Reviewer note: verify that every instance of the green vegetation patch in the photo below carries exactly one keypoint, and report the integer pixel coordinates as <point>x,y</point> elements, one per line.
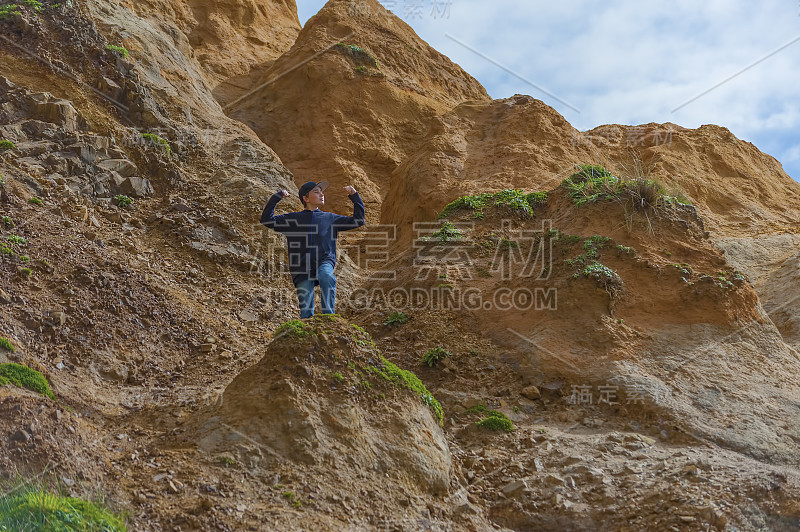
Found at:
<point>604,276</point>
<point>291,497</point>
<point>25,377</point>
<point>122,200</point>
<point>121,50</point>
<point>362,57</point>
<point>6,144</point>
<point>396,318</point>
<point>495,419</point>
<point>496,423</point>
<point>27,507</point>
<point>447,233</point>
<point>515,200</point>
<point>434,355</point>
<point>8,223</point>
<point>406,379</point>
<point>16,239</point>
<point>157,141</point>
<point>593,245</point>
<point>592,183</point>
<point>6,11</point>
<point>5,344</point>
<point>35,201</point>
<point>294,329</point>
<point>6,251</point>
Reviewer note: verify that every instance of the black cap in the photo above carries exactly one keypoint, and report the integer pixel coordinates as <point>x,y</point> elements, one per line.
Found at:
<point>309,186</point>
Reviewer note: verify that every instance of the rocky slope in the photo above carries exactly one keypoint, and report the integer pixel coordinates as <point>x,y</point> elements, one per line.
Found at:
<point>655,391</point>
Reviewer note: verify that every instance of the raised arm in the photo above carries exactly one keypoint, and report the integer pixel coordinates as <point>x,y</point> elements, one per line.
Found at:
<point>268,217</point>
<point>345,223</point>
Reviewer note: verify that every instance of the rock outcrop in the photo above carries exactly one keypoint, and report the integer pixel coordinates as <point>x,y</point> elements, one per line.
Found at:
<point>358,91</point>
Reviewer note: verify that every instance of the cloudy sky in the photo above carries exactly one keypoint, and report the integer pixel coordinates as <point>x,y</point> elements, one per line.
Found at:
<point>734,63</point>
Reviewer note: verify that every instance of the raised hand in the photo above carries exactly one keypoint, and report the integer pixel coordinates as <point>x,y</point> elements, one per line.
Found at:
<point>350,190</point>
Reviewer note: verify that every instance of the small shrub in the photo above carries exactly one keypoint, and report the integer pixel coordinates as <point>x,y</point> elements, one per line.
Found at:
<point>624,249</point>
<point>16,239</point>
<point>447,233</point>
<point>396,318</point>
<point>6,144</point>
<point>35,201</point>
<point>226,459</point>
<point>605,277</point>
<point>434,356</point>
<point>338,376</point>
<point>5,344</point>
<point>157,141</point>
<point>8,223</point>
<point>495,419</point>
<point>121,50</point>
<point>25,377</point>
<point>496,423</point>
<point>26,272</point>
<point>591,183</point>
<point>122,200</point>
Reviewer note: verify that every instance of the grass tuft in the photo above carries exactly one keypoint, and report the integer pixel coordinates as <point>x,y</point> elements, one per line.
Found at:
<point>29,506</point>
<point>25,377</point>
<point>516,201</point>
<point>407,379</point>
<point>294,329</point>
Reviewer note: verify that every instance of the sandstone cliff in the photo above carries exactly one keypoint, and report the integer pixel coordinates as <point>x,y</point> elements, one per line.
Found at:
<point>646,377</point>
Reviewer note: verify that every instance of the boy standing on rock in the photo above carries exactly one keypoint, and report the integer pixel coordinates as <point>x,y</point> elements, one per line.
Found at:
<point>311,237</point>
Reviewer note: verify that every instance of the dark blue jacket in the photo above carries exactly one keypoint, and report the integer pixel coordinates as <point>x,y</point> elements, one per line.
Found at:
<point>311,235</point>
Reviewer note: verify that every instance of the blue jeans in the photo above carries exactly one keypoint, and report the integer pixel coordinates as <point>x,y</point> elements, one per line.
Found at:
<point>327,285</point>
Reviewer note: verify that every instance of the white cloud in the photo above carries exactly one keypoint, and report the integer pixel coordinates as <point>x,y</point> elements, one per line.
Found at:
<point>631,62</point>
